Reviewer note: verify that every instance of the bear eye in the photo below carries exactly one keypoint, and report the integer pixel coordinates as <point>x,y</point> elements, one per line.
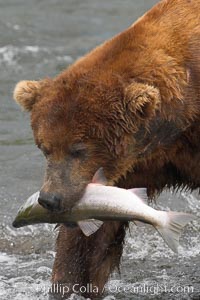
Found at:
<point>45,151</point>
<point>78,151</point>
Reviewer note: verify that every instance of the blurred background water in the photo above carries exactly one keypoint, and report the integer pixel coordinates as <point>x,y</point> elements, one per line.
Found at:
<point>40,38</point>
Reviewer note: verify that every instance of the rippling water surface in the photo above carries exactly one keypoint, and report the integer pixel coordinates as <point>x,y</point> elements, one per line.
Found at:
<point>40,38</point>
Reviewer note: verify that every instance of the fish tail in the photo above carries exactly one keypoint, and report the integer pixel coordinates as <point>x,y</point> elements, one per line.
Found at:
<point>172,230</point>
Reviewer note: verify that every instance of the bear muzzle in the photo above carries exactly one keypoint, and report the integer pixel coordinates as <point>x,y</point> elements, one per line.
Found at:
<point>50,201</point>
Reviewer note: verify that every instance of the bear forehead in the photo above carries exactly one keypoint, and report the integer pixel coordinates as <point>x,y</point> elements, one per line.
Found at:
<point>76,108</point>
<point>51,111</point>
<point>60,123</point>
<point>56,126</point>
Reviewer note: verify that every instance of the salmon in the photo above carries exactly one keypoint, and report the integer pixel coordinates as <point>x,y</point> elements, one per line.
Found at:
<point>105,203</point>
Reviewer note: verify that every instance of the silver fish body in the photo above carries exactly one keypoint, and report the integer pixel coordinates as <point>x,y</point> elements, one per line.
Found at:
<point>129,205</point>
<point>113,203</point>
<point>98,202</point>
<point>101,203</point>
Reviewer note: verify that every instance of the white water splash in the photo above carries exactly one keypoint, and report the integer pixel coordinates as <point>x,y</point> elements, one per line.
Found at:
<point>10,55</point>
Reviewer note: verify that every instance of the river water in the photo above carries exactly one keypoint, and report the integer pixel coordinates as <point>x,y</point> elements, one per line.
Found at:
<point>40,38</point>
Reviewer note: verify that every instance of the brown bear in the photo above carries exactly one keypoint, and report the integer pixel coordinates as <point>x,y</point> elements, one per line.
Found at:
<point>131,106</point>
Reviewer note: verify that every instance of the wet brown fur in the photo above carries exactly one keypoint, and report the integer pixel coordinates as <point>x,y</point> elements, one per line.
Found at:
<point>135,102</point>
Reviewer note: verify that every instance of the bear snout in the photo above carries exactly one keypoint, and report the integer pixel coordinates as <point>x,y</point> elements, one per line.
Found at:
<point>50,201</point>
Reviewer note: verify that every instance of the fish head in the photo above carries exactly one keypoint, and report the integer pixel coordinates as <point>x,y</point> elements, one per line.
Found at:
<point>29,212</point>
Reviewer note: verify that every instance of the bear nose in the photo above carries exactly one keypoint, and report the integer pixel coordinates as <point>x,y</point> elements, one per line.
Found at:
<point>50,201</point>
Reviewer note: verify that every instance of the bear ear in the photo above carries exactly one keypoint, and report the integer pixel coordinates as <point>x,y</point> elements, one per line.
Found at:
<point>27,93</point>
<point>142,100</point>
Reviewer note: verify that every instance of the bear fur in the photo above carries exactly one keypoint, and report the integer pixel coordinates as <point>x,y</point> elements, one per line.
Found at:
<point>131,106</point>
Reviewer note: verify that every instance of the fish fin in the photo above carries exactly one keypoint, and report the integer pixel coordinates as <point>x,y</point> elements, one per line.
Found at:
<point>99,177</point>
<point>171,233</point>
<point>141,193</point>
<point>89,227</point>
